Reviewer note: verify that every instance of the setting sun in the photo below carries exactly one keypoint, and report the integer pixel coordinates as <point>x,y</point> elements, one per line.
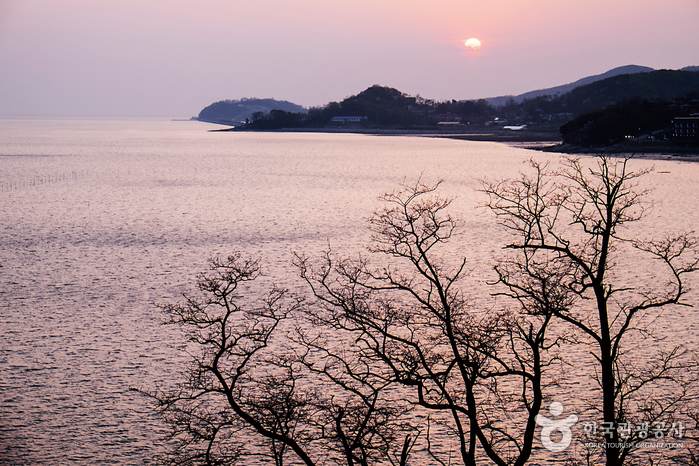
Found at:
<point>473,43</point>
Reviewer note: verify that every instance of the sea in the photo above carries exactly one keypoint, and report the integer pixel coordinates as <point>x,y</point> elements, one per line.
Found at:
<point>104,219</point>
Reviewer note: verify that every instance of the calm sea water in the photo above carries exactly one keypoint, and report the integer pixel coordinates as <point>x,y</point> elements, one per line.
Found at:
<point>103,218</point>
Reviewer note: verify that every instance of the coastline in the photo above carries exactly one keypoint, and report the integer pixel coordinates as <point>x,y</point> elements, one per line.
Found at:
<point>650,150</point>
<point>480,134</point>
<point>548,141</point>
<point>533,140</point>
<point>540,140</point>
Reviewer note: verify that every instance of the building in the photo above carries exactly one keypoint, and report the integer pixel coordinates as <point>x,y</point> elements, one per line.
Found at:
<point>449,124</point>
<point>348,119</point>
<point>686,129</point>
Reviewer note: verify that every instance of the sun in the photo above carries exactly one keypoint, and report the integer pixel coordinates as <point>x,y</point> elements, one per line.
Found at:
<point>473,43</point>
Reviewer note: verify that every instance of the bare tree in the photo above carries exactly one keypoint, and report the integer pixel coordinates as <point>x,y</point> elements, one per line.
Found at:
<point>570,230</point>
<point>259,387</point>
<point>342,379</point>
<point>411,320</point>
<point>390,353</point>
<point>220,404</point>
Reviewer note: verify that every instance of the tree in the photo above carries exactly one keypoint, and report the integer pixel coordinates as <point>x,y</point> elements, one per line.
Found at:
<point>218,403</point>
<point>481,374</point>
<point>389,356</point>
<point>380,344</point>
<point>253,389</point>
<point>569,238</point>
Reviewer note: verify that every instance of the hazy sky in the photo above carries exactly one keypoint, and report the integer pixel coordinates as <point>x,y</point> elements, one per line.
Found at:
<point>174,57</point>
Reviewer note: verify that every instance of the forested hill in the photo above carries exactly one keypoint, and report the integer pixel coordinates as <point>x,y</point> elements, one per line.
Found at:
<point>558,90</point>
<point>235,111</point>
<point>381,106</point>
<point>660,84</point>
<point>385,107</point>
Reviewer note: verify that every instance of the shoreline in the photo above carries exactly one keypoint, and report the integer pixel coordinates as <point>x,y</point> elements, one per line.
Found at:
<point>540,140</point>
<point>649,151</point>
<point>481,134</point>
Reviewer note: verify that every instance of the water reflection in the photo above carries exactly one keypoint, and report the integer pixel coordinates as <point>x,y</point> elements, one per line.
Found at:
<point>103,218</point>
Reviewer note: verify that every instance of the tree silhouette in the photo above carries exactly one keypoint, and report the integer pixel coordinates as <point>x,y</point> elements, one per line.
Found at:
<point>569,235</point>
<point>257,388</point>
<point>388,356</point>
<point>479,372</point>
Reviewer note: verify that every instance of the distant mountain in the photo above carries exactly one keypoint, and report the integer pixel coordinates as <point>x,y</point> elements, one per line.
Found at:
<point>660,84</point>
<point>628,69</point>
<point>233,112</point>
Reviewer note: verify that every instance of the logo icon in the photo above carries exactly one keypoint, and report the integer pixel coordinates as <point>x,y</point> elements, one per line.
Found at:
<point>549,426</point>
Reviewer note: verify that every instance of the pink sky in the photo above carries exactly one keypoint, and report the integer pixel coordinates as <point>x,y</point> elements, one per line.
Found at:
<point>174,57</point>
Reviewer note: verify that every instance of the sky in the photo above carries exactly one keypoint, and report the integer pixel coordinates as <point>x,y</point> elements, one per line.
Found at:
<point>174,57</point>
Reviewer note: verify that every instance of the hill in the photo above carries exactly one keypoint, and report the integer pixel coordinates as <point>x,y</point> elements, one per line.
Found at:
<point>379,107</point>
<point>233,112</point>
<point>557,110</point>
<point>375,107</point>
<point>660,84</point>
<point>558,90</point>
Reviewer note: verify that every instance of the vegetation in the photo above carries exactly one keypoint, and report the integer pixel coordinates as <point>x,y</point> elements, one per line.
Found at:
<point>570,229</point>
<point>411,319</point>
<point>387,359</point>
<point>469,111</point>
<point>276,119</point>
<point>612,104</point>
<point>597,114</point>
<point>560,90</point>
<point>655,85</point>
<point>382,107</point>
<point>235,111</point>
<point>612,124</point>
